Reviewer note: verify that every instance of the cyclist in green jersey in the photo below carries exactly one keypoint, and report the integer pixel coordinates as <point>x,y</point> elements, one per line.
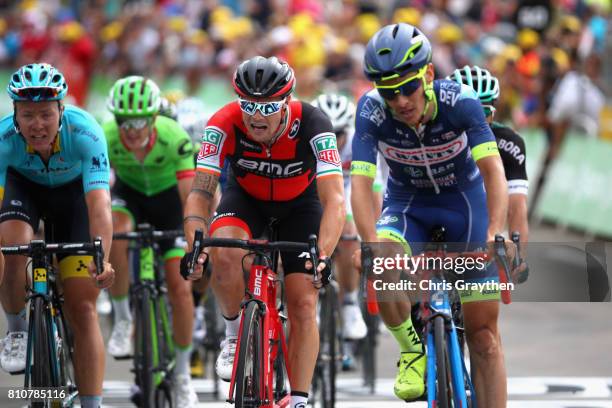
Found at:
<point>152,157</point>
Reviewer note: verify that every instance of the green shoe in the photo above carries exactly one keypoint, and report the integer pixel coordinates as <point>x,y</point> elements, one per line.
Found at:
<point>410,380</point>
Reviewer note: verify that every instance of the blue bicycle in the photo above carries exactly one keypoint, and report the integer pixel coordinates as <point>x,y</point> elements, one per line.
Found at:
<point>448,381</point>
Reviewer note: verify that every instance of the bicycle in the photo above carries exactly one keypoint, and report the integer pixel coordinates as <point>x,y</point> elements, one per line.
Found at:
<point>50,348</point>
<point>330,348</point>
<point>260,373</point>
<point>367,346</point>
<point>448,382</point>
<point>154,355</point>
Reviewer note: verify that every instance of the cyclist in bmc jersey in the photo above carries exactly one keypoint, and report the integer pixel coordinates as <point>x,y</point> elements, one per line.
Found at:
<point>285,166</point>
<point>54,166</point>
<point>152,157</point>
<point>441,154</point>
<point>511,149</point>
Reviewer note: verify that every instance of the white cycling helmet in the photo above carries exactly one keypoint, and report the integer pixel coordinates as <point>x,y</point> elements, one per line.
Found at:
<point>338,108</point>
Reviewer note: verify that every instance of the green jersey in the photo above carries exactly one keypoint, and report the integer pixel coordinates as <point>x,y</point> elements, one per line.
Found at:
<point>169,157</point>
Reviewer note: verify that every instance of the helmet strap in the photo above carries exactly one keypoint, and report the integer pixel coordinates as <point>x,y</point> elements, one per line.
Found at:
<point>429,98</point>
<point>281,126</point>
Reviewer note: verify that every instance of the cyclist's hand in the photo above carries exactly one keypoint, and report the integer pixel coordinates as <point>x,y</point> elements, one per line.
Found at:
<point>520,273</point>
<point>356,259</point>
<point>324,269</point>
<point>199,268</point>
<point>104,279</point>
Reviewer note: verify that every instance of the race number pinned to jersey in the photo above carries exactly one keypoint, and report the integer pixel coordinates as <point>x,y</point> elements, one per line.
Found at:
<point>326,148</point>
<point>211,142</point>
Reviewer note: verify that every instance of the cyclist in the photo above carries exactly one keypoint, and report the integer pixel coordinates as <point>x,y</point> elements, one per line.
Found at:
<point>153,160</point>
<point>284,165</point>
<point>54,166</point>
<point>511,149</point>
<point>341,112</point>
<point>441,153</point>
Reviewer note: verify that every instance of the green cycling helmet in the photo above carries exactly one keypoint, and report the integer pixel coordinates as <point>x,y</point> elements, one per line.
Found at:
<point>134,96</point>
<point>480,80</point>
<point>37,82</point>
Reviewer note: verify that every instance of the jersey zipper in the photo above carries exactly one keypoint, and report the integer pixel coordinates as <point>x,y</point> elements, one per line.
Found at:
<point>270,173</point>
<point>420,135</point>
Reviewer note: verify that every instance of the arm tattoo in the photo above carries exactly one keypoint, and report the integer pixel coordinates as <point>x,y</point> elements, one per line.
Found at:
<point>205,184</point>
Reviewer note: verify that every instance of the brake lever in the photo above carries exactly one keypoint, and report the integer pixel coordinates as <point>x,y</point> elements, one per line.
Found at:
<point>314,255</point>
<point>198,237</point>
<point>98,256</point>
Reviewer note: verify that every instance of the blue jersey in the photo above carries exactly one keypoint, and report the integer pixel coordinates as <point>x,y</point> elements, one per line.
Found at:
<point>439,157</point>
<point>79,151</point>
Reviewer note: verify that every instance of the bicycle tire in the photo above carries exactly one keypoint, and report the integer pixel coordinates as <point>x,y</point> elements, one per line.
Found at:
<point>143,349</point>
<point>369,351</point>
<point>325,375</point>
<point>41,369</point>
<point>442,383</point>
<point>167,356</point>
<point>249,371</point>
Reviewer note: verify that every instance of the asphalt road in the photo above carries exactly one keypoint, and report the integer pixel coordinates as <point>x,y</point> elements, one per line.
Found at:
<point>557,354</point>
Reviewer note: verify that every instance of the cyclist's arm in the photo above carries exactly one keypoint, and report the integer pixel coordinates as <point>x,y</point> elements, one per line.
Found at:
<point>486,155</point>
<point>331,195</point>
<point>100,217</point>
<point>517,215</point>
<point>198,204</point>
<point>363,173</point>
<point>182,151</point>
<point>515,166</point>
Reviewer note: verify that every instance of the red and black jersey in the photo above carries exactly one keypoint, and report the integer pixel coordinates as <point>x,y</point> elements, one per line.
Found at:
<point>305,150</point>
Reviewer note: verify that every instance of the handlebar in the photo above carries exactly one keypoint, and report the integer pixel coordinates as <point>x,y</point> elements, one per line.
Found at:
<point>257,245</point>
<point>38,247</point>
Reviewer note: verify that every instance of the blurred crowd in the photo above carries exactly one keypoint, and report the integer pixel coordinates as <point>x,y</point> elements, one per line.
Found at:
<point>548,54</point>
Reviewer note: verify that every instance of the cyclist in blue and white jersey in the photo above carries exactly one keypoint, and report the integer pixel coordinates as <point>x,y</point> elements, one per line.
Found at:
<point>441,156</point>
<point>54,166</point>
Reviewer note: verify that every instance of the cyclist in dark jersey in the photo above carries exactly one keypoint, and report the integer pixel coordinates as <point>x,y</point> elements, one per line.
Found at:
<point>511,149</point>
<point>284,165</point>
<point>441,154</point>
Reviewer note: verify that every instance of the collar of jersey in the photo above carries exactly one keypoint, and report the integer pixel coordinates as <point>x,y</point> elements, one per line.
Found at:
<point>56,146</point>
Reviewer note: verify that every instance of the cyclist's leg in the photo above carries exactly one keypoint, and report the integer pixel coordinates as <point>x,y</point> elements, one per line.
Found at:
<point>120,341</point>
<point>481,312</point>
<point>68,221</point>
<point>301,297</point>
<point>19,218</point>
<point>400,233</point>
<point>354,327</point>
<point>236,217</point>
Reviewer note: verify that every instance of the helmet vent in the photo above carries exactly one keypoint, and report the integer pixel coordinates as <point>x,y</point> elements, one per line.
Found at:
<point>56,78</point>
<point>395,30</point>
<point>28,75</point>
<point>43,75</point>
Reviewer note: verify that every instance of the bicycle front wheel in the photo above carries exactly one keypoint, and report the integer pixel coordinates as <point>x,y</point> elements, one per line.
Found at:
<point>40,371</point>
<point>144,346</point>
<point>249,371</point>
<point>324,382</point>
<point>443,390</point>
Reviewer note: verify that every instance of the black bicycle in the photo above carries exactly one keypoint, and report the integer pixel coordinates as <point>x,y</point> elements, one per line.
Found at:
<point>154,355</point>
<point>50,346</point>
<point>330,348</point>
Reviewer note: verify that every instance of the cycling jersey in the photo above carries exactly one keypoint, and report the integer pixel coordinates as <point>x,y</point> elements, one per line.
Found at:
<point>305,150</point>
<point>78,151</point>
<point>512,151</point>
<point>169,157</point>
<point>440,157</point>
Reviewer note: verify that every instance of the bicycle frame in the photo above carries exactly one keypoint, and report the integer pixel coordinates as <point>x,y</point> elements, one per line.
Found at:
<point>439,305</point>
<point>262,289</point>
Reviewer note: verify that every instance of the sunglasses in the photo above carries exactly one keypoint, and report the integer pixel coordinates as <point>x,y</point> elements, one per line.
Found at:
<point>35,94</point>
<point>489,110</point>
<point>134,123</point>
<point>265,108</point>
<point>407,87</point>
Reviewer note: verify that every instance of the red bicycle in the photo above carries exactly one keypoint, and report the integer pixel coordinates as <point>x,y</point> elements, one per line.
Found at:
<point>261,373</point>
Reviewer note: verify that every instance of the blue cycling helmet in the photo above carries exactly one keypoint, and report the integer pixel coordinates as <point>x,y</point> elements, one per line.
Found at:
<point>395,50</point>
<point>37,82</point>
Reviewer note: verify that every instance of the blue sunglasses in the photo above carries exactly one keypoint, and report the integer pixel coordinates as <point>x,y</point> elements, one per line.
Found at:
<point>265,108</point>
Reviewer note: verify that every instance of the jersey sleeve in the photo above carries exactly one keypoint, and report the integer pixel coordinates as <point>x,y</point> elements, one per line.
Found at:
<point>182,150</point>
<point>5,155</point>
<point>472,119</point>
<point>215,144</point>
<point>364,142</point>
<point>323,143</point>
<point>91,147</point>
<point>513,153</point>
